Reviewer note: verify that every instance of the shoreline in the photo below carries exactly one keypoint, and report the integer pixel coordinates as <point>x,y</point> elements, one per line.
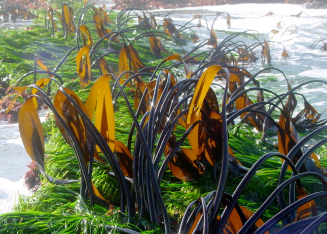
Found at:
<point>171,6</point>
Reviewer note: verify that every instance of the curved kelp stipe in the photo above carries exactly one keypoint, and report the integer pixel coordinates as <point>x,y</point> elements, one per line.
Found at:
<point>313,225</point>
<point>51,74</point>
<point>270,223</point>
<point>324,47</point>
<point>302,160</point>
<point>292,90</point>
<point>105,149</point>
<point>79,151</point>
<point>153,178</point>
<point>226,213</point>
<point>298,226</point>
<point>225,156</point>
<point>174,150</point>
<point>273,196</point>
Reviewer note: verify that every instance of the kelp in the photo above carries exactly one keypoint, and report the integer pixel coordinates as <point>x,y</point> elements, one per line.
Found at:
<point>179,126</point>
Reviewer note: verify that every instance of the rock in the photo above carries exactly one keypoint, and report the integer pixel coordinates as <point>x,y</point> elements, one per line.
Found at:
<point>315,5</point>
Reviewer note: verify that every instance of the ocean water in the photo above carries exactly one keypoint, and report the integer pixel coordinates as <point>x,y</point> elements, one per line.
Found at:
<point>303,64</point>
<point>13,166</point>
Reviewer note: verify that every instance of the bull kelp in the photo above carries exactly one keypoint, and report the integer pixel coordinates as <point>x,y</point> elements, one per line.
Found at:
<point>147,136</point>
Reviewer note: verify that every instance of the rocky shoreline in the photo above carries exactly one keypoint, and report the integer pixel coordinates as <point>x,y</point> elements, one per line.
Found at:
<point>171,4</point>
<point>316,5</point>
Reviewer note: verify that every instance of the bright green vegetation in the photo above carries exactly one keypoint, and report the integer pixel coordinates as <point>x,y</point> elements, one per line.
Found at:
<point>203,175</point>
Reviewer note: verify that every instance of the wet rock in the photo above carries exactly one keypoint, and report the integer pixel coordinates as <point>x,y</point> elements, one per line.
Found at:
<point>316,5</point>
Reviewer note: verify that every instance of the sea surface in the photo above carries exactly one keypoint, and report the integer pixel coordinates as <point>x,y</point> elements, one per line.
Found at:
<point>303,64</point>
<point>13,166</point>
<point>296,36</point>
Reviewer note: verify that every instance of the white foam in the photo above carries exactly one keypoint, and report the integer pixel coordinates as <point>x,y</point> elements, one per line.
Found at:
<point>9,192</point>
<point>315,73</point>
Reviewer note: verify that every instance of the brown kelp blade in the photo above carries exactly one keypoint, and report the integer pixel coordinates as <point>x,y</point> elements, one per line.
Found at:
<point>279,24</point>
<point>32,133</point>
<point>135,59</point>
<point>306,210</point>
<point>247,213</point>
<point>213,39</point>
<point>71,118</point>
<point>211,100</point>
<point>213,134</point>
<point>274,31</point>
<point>140,89</point>
<point>83,63</point>
<point>188,71</point>
<point>234,82</point>
<point>239,216</point>
<point>308,117</point>
<point>228,21</point>
<point>184,165</point>
<point>196,136</point>
<point>85,32</point>
<point>42,65</point>
<point>287,136</point>
<point>297,15</point>
<point>212,126</point>
<point>201,90</point>
<point>266,52</point>
<point>104,16</point>
<point>100,105</point>
<point>19,90</point>
<point>199,25</point>
<point>144,22</point>
<point>68,18</point>
<point>170,28</point>
<point>99,25</point>
<point>153,22</point>
<point>97,193</point>
<point>129,60</point>
<point>50,15</point>
<point>254,119</point>
<point>125,159</point>
<point>124,63</point>
<point>69,114</point>
<point>195,38</point>
<point>41,83</point>
<point>195,222</point>
<point>285,55</point>
<point>156,46</point>
<point>105,68</point>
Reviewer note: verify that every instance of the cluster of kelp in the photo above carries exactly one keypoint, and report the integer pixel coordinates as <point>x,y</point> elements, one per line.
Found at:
<point>183,110</point>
